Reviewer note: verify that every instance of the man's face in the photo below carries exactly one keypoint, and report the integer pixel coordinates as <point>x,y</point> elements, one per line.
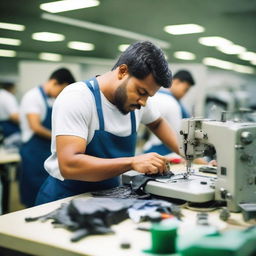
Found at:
<point>133,93</point>
<point>57,88</point>
<point>180,88</point>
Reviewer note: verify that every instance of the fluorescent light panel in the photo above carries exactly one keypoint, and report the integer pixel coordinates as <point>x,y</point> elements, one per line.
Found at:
<point>123,47</point>
<point>81,46</point>
<point>253,62</point>
<point>214,41</point>
<point>7,53</point>
<point>184,29</point>
<point>9,41</point>
<point>250,56</point>
<point>50,56</point>
<point>11,26</point>
<point>48,37</point>
<point>243,69</point>
<point>105,29</point>
<point>231,49</point>
<point>68,5</point>
<point>228,65</point>
<point>183,55</point>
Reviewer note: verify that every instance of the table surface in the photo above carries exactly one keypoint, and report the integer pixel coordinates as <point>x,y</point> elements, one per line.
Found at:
<point>39,238</point>
<point>8,156</point>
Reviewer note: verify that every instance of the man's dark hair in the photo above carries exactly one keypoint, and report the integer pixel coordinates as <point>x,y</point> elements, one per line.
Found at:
<point>7,85</point>
<point>62,75</point>
<point>184,76</point>
<point>144,58</point>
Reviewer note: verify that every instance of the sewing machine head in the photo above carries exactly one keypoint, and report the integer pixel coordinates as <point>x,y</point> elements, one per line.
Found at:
<point>235,145</point>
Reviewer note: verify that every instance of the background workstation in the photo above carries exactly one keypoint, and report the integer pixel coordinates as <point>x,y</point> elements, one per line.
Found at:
<point>222,77</point>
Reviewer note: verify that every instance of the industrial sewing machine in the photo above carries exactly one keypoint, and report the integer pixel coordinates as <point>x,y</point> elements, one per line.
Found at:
<point>234,144</point>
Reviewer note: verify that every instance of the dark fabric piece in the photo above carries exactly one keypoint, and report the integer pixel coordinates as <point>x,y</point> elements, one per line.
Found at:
<point>96,215</point>
<point>122,192</point>
<point>139,182</point>
<point>166,175</point>
<point>88,216</point>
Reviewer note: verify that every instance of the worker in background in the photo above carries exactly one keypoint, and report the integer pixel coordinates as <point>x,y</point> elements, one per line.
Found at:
<point>170,107</point>
<point>9,110</point>
<point>95,124</point>
<point>35,114</point>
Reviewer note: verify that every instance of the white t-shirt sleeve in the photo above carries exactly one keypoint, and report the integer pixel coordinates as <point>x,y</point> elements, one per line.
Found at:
<point>72,115</point>
<point>171,111</point>
<point>8,105</point>
<point>31,103</point>
<point>150,113</point>
<point>12,105</point>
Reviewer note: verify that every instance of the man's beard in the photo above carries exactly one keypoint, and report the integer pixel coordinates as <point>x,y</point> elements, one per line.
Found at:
<point>120,97</point>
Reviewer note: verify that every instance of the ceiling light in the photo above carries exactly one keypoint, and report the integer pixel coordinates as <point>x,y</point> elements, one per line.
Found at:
<point>105,29</point>
<point>7,53</point>
<point>214,41</point>
<point>123,47</point>
<point>231,49</point>
<point>253,62</point>
<point>9,41</point>
<point>48,37</point>
<point>217,63</point>
<point>243,69</point>
<point>81,46</point>
<point>228,65</point>
<point>68,5</point>
<point>183,55</point>
<point>11,26</point>
<point>50,56</point>
<point>251,56</point>
<point>184,29</point>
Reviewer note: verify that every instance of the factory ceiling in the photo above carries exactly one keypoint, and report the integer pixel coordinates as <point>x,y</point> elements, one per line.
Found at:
<point>112,23</point>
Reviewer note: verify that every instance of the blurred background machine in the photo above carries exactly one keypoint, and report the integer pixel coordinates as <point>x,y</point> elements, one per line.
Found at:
<point>235,101</point>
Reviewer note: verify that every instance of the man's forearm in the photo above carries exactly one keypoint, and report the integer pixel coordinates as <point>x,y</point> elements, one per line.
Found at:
<point>90,168</point>
<point>42,132</point>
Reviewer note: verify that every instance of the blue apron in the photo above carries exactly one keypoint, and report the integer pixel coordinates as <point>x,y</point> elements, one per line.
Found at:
<point>9,128</point>
<point>33,154</point>
<point>102,145</point>
<point>161,148</point>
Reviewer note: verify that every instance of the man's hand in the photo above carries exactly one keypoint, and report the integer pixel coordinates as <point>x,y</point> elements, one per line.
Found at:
<point>151,163</point>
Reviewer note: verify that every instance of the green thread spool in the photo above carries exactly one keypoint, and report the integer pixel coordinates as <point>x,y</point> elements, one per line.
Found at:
<point>163,236</point>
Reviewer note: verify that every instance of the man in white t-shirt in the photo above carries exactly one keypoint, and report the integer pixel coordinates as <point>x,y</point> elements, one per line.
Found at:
<point>95,124</point>
<point>9,110</point>
<point>35,118</point>
<point>170,107</point>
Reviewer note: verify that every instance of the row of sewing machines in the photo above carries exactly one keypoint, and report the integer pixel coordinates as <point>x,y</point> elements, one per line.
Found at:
<point>234,146</point>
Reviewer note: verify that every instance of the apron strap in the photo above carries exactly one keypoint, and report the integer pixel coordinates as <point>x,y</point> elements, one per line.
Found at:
<point>133,122</point>
<point>44,96</point>
<point>96,93</point>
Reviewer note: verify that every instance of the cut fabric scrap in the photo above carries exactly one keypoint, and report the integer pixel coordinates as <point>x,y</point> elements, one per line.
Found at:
<point>96,215</point>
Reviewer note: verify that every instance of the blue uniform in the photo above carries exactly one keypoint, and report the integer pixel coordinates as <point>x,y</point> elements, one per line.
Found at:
<point>33,153</point>
<point>9,128</point>
<point>103,145</point>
